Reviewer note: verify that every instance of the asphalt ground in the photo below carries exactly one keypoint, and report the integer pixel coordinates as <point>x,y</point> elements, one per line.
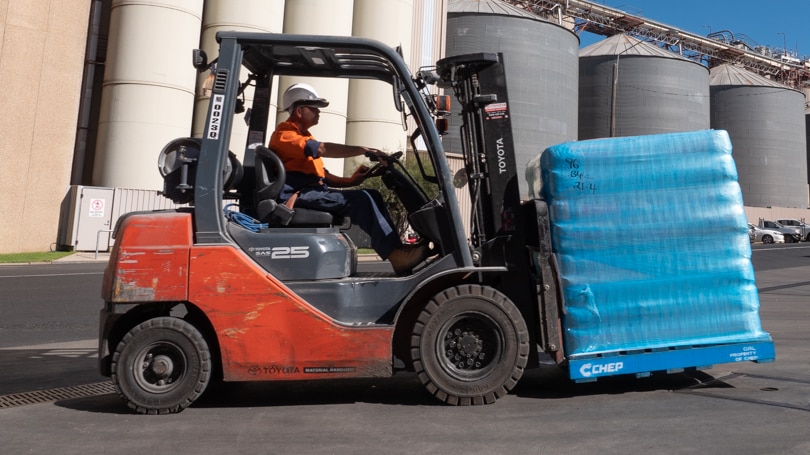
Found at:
<point>741,408</point>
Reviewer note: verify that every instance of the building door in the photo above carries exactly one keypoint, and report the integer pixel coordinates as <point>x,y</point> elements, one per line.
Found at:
<point>94,216</point>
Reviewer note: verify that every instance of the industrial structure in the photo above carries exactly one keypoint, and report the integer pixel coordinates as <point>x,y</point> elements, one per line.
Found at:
<point>541,61</point>
<point>769,132</point>
<point>714,49</point>
<point>766,121</point>
<point>99,89</point>
<point>628,87</point>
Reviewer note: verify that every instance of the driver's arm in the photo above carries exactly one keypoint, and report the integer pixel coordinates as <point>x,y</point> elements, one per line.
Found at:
<point>343,182</point>
<point>333,150</point>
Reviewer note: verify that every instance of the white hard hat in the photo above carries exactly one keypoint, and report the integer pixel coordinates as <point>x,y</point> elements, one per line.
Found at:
<point>302,93</point>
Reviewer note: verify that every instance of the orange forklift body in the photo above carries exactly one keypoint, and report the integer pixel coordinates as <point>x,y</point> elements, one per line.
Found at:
<point>265,332</point>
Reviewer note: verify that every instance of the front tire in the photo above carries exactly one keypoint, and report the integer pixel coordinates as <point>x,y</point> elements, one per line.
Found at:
<point>767,239</point>
<point>470,345</point>
<point>161,366</point>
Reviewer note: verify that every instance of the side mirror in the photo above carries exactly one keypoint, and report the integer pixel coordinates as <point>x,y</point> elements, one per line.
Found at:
<point>460,178</point>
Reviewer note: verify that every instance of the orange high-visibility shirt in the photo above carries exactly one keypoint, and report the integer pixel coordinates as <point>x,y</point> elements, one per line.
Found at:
<point>297,149</point>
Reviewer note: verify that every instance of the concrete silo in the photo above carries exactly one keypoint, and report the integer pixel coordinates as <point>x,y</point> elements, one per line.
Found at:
<point>372,119</point>
<point>541,72</point>
<point>259,16</point>
<point>628,87</point>
<point>148,93</point>
<point>317,17</point>
<point>766,122</point>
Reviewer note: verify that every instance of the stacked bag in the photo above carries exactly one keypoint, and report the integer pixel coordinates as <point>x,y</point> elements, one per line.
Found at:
<point>652,244</point>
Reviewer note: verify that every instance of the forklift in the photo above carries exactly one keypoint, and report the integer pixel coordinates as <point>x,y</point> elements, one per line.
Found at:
<point>239,287</point>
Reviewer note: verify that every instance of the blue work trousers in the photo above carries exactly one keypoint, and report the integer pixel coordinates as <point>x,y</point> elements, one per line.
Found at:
<point>366,209</point>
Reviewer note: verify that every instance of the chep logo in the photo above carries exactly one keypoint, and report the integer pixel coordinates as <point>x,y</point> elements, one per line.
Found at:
<point>587,370</point>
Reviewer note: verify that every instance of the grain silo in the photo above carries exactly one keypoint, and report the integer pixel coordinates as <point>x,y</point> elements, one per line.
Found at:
<point>628,87</point>
<point>766,123</point>
<point>143,71</point>
<point>806,91</point>
<point>541,61</point>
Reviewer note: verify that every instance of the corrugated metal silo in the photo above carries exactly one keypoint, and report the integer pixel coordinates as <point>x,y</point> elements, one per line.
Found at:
<point>656,91</point>
<point>806,91</point>
<point>766,122</point>
<point>541,72</point>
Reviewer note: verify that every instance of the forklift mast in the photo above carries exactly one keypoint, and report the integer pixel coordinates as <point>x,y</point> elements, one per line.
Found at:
<point>479,83</point>
<point>504,231</point>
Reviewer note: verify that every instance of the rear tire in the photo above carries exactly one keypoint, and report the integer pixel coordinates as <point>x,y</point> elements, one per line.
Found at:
<point>470,345</point>
<point>161,366</point>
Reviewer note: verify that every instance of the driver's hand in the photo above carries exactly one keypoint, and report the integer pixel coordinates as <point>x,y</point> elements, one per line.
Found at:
<point>376,155</point>
<point>360,174</point>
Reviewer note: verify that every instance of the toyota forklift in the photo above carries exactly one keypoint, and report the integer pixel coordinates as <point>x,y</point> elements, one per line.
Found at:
<point>240,287</point>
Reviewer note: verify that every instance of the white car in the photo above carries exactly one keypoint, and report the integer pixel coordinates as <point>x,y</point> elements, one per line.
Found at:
<point>764,235</point>
<point>796,224</point>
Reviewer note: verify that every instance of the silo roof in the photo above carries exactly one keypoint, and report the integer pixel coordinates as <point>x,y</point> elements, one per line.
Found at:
<point>489,7</point>
<point>728,74</point>
<point>626,45</point>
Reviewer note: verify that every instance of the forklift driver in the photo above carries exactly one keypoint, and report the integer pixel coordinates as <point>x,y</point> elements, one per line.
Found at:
<point>309,185</point>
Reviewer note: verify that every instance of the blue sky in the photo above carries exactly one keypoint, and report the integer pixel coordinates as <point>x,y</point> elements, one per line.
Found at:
<point>762,22</point>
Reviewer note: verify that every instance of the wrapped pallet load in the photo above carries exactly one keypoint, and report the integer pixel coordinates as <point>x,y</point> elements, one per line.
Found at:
<point>651,242</point>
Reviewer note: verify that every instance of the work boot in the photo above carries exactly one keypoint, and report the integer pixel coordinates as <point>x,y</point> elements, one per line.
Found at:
<point>403,259</point>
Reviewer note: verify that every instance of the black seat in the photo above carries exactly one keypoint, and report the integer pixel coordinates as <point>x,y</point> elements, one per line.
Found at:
<point>270,177</point>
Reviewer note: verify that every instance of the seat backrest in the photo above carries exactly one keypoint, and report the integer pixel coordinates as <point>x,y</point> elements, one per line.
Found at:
<point>270,178</point>
<point>270,174</point>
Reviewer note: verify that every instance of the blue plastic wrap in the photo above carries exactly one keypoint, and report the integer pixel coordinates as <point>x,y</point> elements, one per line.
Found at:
<point>652,243</point>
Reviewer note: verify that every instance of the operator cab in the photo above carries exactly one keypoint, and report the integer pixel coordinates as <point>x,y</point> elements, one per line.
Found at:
<point>266,229</point>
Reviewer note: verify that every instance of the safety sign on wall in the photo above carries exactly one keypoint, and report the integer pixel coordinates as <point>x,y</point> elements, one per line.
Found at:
<point>96,208</point>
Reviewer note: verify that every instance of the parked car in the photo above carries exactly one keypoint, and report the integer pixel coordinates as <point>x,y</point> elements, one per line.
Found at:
<point>757,234</point>
<point>794,223</point>
<point>791,234</point>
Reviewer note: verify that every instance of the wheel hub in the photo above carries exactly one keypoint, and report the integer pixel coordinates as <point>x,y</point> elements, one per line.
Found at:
<point>161,366</point>
<point>464,349</point>
<point>158,370</point>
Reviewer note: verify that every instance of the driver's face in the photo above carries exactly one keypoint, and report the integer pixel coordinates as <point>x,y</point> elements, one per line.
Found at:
<point>309,115</point>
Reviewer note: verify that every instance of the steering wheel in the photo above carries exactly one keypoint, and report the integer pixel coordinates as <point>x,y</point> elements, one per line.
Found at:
<point>378,169</point>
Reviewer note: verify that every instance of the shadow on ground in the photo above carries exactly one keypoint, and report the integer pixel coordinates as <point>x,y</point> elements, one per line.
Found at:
<point>69,377</point>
